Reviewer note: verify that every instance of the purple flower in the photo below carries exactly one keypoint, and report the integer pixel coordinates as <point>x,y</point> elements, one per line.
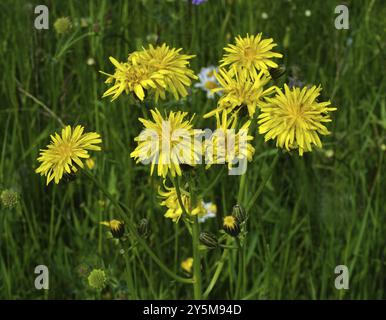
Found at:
<point>198,2</point>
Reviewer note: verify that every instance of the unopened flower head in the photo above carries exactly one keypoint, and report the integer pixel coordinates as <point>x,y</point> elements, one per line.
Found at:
<point>97,279</point>
<point>65,152</point>
<point>168,142</point>
<point>9,198</point>
<point>240,91</point>
<point>294,118</point>
<point>171,64</point>
<point>62,25</point>
<point>251,53</point>
<point>228,145</point>
<point>208,81</point>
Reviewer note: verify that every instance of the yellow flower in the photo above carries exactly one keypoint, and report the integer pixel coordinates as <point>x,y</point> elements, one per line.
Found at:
<point>231,226</point>
<point>295,118</point>
<point>251,54</point>
<point>168,143</point>
<point>90,163</point>
<point>174,210</point>
<point>132,78</point>
<point>116,227</point>
<point>187,265</point>
<point>64,153</point>
<point>226,144</point>
<point>240,92</point>
<point>171,64</point>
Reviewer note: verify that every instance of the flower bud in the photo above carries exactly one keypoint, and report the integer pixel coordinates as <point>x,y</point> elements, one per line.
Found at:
<point>97,279</point>
<point>239,213</point>
<point>143,228</point>
<point>231,226</point>
<point>62,25</point>
<point>208,239</point>
<point>276,73</point>
<point>9,198</point>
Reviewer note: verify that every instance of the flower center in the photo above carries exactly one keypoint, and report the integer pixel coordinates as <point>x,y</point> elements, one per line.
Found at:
<point>210,85</point>
<point>249,54</point>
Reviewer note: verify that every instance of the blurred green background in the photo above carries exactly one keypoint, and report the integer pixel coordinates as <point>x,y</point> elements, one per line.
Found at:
<point>316,212</point>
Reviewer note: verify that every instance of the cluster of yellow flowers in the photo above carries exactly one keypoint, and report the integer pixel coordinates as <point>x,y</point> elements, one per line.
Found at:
<point>293,116</point>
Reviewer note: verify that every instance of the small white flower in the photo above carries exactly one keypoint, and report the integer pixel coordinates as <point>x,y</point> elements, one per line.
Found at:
<point>211,210</point>
<point>264,15</point>
<point>207,81</point>
<point>307,13</point>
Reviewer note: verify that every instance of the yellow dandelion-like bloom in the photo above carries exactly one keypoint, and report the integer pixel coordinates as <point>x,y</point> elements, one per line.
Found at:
<point>116,227</point>
<point>65,152</point>
<point>171,64</point>
<point>132,78</point>
<point>239,91</point>
<point>168,143</point>
<point>228,145</point>
<point>187,265</point>
<point>231,226</point>
<point>295,118</point>
<point>174,210</point>
<point>251,53</point>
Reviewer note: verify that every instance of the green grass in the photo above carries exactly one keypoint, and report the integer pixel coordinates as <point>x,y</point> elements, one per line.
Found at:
<point>316,212</point>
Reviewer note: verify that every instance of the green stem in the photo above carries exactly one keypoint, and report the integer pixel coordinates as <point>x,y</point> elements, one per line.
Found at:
<point>134,232</point>
<point>197,285</point>
<point>262,184</point>
<point>129,274</point>
<point>216,274</point>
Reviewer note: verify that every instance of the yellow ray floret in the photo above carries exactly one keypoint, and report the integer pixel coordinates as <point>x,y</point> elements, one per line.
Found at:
<point>251,53</point>
<point>295,118</point>
<point>240,92</point>
<point>167,143</point>
<point>65,152</point>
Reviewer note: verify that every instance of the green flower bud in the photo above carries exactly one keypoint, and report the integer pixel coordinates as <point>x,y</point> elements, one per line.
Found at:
<point>143,228</point>
<point>239,213</point>
<point>208,239</point>
<point>9,198</point>
<point>97,279</point>
<point>276,73</point>
<point>62,25</point>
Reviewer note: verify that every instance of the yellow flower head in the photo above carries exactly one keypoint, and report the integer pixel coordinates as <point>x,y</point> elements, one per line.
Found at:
<point>251,54</point>
<point>116,227</point>
<point>132,78</point>
<point>174,210</point>
<point>226,144</point>
<point>239,91</point>
<point>295,118</point>
<point>168,143</point>
<point>64,153</point>
<point>187,265</point>
<point>171,64</point>
<point>231,226</point>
